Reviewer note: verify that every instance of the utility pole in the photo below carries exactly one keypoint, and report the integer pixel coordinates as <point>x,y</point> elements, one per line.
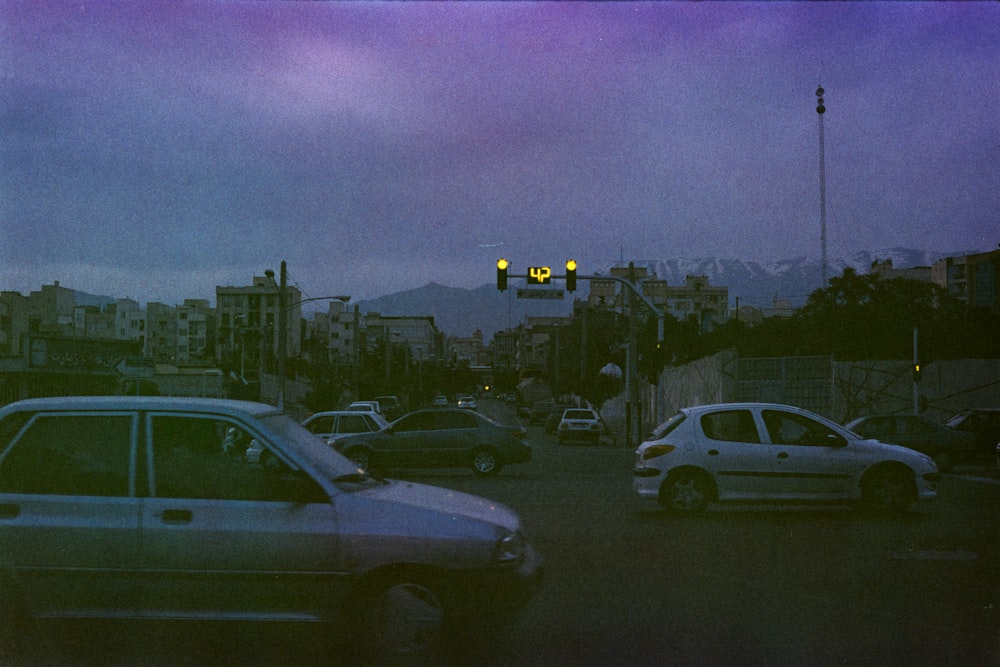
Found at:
<point>916,375</point>
<point>282,337</point>
<point>820,110</point>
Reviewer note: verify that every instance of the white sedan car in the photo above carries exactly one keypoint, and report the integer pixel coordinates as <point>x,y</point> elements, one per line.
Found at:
<point>768,452</point>
<point>579,424</point>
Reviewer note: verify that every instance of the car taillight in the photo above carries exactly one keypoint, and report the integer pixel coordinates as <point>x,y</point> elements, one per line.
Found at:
<point>653,451</point>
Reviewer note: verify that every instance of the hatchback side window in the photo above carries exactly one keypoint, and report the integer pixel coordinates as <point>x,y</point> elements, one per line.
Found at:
<point>71,455</point>
<point>786,428</point>
<point>730,426</point>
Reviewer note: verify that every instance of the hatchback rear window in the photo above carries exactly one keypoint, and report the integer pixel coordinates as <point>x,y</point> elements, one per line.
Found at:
<point>667,426</point>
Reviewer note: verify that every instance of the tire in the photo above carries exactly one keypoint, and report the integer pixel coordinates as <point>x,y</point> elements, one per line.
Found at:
<point>485,462</point>
<point>361,456</point>
<point>686,491</point>
<point>404,622</point>
<point>887,491</point>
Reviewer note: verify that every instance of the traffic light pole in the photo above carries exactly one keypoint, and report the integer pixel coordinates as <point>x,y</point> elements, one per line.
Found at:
<point>634,290</point>
<point>626,283</point>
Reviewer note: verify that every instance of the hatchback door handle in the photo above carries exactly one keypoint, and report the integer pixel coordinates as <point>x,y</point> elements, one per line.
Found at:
<point>9,510</point>
<point>176,516</point>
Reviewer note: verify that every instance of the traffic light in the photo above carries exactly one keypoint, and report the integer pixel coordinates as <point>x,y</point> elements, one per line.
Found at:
<point>917,375</point>
<point>502,274</point>
<point>571,275</point>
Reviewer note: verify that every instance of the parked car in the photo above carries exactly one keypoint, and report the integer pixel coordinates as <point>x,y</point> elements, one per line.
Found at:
<point>984,423</point>
<point>540,411</point>
<point>337,423</point>
<point>133,507</point>
<point>579,424</point>
<point>946,446</point>
<point>439,438</point>
<point>555,416</point>
<point>769,452</point>
<point>392,408</point>
<point>467,402</point>
<point>366,406</point>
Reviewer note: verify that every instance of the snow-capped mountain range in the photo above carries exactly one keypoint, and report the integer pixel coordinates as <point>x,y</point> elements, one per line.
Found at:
<point>461,311</point>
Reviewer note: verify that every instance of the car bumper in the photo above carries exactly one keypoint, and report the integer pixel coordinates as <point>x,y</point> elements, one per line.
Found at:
<point>646,481</point>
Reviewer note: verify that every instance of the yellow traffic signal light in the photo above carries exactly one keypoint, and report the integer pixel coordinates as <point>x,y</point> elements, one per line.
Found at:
<point>502,265</point>
<point>571,275</point>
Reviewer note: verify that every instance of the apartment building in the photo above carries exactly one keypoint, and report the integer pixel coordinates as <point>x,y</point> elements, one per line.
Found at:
<point>695,298</point>
<point>972,278</point>
<point>247,323</point>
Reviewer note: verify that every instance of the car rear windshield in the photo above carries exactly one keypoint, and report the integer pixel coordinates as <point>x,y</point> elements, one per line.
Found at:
<point>667,426</point>
<point>578,414</point>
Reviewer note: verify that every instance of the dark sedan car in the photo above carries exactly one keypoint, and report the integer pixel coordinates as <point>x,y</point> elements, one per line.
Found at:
<point>945,445</point>
<point>439,438</point>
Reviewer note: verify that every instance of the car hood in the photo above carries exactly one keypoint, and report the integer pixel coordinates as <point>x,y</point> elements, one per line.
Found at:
<point>397,521</point>
<point>400,496</point>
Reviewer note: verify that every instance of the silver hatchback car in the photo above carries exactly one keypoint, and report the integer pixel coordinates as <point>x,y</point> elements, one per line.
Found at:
<point>145,507</point>
<point>768,452</point>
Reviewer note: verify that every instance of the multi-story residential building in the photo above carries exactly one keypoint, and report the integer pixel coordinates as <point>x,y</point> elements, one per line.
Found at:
<point>418,333</point>
<point>468,349</point>
<point>342,332</point>
<point>885,270</point>
<point>504,348</point>
<point>195,325</point>
<point>248,323</point>
<point>129,321</point>
<point>13,323</point>
<point>51,309</point>
<point>973,278</point>
<point>696,298</point>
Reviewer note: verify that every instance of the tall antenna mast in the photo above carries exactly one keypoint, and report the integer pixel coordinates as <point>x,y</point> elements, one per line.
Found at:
<point>820,110</point>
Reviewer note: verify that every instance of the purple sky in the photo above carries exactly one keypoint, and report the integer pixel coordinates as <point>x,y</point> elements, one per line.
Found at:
<point>158,149</point>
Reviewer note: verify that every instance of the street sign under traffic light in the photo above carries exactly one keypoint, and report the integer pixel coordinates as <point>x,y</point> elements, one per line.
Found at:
<point>502,274</point>
<point>571,275</point>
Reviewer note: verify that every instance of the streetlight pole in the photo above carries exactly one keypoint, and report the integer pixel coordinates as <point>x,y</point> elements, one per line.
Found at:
<point>282,338</point>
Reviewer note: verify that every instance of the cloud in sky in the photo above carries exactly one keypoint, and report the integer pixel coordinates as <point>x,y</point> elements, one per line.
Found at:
<point>158,149</point>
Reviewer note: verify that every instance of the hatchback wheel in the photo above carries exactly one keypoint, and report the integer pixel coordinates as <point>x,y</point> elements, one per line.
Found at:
<point>888,491</point>
<point>485,462</point>
<point>405,621</point>
<point>686,491</point>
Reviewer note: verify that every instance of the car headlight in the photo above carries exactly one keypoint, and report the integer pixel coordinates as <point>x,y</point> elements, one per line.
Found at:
<point>510,549</point>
